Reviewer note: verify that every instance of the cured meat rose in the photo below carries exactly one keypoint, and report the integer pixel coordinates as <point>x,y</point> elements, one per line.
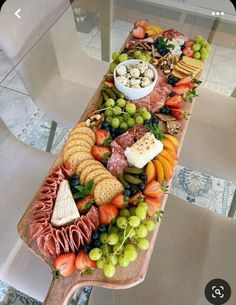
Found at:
<point>156,99</point>
<point>117,162</point>
<point>138,131</point>
<point>126,139</point>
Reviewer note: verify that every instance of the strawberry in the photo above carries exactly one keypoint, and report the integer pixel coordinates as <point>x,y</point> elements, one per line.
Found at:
<point>174,101</point>
<point>120,201</point>
<point>179,114</point>
<point>188,44</point>
<point>110,84</point>
<point>83,263</point>
<point>153,189</point>
<point>188,52</point>
<point>85,203</point>
<point>141,23</point>
<point>153,205</point>
<point>136,198</point>
<point>181,89</point>
<point>103,137</point>
<point>101,153</point>
<point>107,212</point>
<point>138,32</point>
<point>184,81</point>
<point>64,264</point>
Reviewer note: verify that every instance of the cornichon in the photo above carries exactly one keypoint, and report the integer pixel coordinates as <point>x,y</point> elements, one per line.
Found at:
<point>134,170</point>
<point>132,179</point>
<point>118,93</point>
<point>105,96</point>
<point>123,182</point>
<point>100,100</point>
<point>111,94</point>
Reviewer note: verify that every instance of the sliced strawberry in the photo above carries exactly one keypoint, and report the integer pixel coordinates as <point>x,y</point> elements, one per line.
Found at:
<point>83,263</point>
<point>174,101</point>
<point>153,205</point>
<point>64,264</point>
<point>84,204</point>
<point>188,52</point>
<point>136,198</point>
<point>138,32</point>
<point>181,89</point>
<point>141,23</point>
<point>101,153</point>
<point>153,189</point>
<point>179,114</point>
<point>120,201</point>
<point>184,81</point>
<point>107,212</point>
<point>103,137</point>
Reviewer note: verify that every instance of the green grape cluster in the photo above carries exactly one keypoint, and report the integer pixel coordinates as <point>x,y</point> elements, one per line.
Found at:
<point>119,244</point>
<point>124,114</point>
<point>136,54</point>
<point>201,47</point>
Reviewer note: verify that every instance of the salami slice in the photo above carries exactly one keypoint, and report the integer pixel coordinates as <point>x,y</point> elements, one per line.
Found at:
<point>35,230</point>
<point>84,231</point>
<point>50,182</point>
<point>52,244</point>
<point>69,239</point>
<point>47,199</point>
<point>93,215</point>
<point>125,140</point>
<point>117,162</point>
<point>62,240</point>
<point>66,169</point>
<point>76,236</point>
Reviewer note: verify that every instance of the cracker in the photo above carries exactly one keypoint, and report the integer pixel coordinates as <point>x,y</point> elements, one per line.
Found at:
<point>187,67</point>
<point>106,189</point>
<point>78,157</point>
<point>86,130</point>
<point>192,62</point>
<point>178,74</point>
<point>80,124</point>
<point>183,70</point>
<point>73,149</point>
<point>85,164</point>
<point>101,177</point>
<point>88,170</point>
<point>82,136</point>
<point>76,142</point>
<point>96,173</point>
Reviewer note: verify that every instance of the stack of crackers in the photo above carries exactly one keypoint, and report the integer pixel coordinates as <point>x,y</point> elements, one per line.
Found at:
<point>105,186</point>
<point>78,145</point>
<point>77,151</point>
<point>187,66</point>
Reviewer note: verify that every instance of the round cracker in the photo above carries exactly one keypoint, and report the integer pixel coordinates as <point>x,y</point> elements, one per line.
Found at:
<point>76,142</point>
<point>78,157</point>
<point>82,136</point>
<point>96,173</point>
<point>106,189</point>
<point>84,164</point>
<point>100,178</point>
<point>73,149</point>
<point>85,130</point>
<point>88,170</point>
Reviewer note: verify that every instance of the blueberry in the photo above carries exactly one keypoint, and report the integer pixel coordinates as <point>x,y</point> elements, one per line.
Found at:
<point>102,229</point>
<point>155,120</point>
<point>113,135</point>
<point>87,248</point>
<point>163,110</point>
<point>126,192</point>
<point>74,177</point>
<point>176,79</point>
<point>170,76</point>
<point>96,243</point>
<point>95,235</point>
<point>143,177</point>
<point>172,94</point>
<point>133,190</point>
<point>167,110</point>
<point>141,186</point>
<point>74,182</point>
<point>147,121</point>
<point>105,125</point>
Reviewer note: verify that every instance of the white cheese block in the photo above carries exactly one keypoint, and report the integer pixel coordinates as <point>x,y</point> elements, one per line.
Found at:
<point>144,150</point>
<point>65,209</point>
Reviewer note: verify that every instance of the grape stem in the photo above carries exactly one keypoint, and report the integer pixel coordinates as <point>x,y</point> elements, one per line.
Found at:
<point>125,238</point>
<point>99,110</point>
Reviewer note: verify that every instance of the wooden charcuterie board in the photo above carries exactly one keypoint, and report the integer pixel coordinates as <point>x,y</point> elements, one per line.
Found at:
<point>62,288</point>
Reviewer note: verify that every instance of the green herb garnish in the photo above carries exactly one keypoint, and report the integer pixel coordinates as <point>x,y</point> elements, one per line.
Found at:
<point>163,43</point>
<point>83,190</point>
<point>154,129</point>
<point>191,93</point>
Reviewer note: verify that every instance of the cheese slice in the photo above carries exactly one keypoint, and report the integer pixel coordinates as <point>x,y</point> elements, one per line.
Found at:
<point>144,150</point>
<point>65,209</point>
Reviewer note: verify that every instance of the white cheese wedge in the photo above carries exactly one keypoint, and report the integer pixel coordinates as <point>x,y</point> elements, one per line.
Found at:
<point>144,150</point>
<point>65,209</point>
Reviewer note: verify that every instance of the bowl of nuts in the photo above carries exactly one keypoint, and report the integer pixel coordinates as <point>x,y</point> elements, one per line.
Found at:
<point>135,78</point>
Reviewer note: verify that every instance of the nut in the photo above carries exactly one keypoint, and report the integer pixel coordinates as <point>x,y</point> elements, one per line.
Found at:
<point>87,122</point>
<point>96,117</point>
<point>167,71</point>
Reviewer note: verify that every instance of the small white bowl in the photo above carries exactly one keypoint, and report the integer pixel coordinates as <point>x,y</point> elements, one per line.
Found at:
<point>135,93</point>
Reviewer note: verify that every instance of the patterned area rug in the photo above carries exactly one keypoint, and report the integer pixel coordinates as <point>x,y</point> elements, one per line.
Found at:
<point>197,188</point>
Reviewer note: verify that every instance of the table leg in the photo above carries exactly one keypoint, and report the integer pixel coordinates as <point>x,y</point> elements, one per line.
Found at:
<point>51,136</point>
<point>106,28</point>
<point>233,206</point>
